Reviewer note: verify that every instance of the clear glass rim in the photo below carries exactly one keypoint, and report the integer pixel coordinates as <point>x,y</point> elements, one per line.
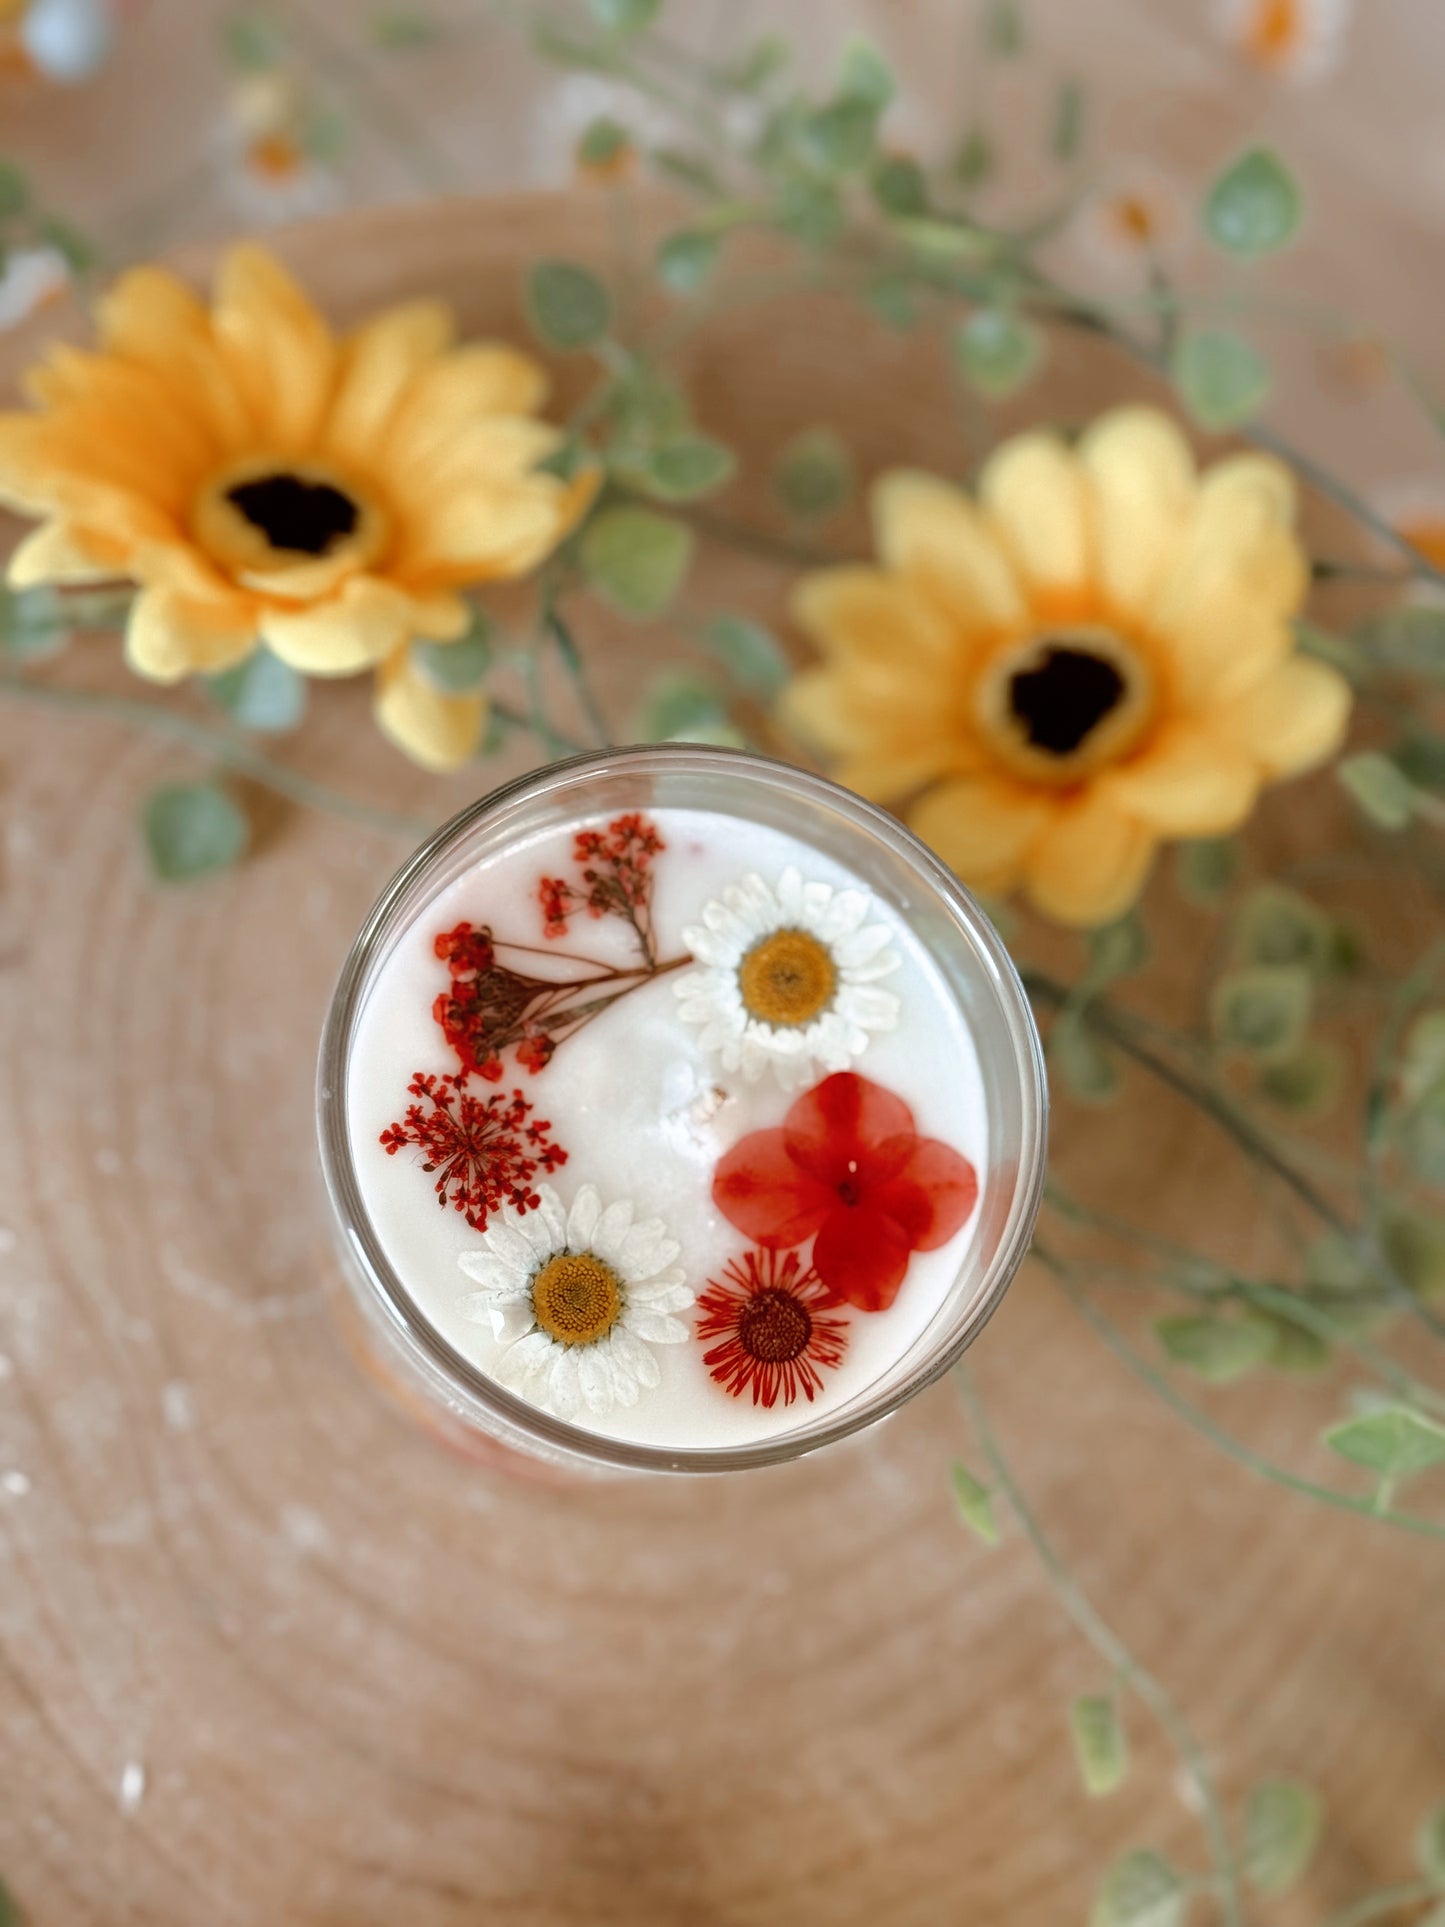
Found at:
<point>555,1436</point>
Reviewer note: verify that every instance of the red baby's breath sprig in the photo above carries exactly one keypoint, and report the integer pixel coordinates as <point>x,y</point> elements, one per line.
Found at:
<point>773,1317</point>
<point>616,879</point>
<point>485,1152</point>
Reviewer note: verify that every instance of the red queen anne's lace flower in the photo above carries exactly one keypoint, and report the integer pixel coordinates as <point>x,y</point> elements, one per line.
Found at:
<point>848,1169</point>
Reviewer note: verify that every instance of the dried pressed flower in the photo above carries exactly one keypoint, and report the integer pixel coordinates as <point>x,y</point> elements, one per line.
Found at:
<point>486,1152</point>
<point>773,1318</point>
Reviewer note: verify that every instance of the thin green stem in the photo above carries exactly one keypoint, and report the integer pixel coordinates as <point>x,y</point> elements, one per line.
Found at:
<point>1200,1422</point>
<point>1115,1653</point>
<point>230,751</point>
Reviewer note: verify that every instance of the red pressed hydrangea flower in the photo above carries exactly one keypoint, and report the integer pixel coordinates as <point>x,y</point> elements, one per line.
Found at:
<point>848,1169</point>
<point>771,1314</point>
<point>486,1152</point>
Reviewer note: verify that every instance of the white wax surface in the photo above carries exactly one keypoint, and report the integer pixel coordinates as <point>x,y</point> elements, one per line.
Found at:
<point>622,1097</point>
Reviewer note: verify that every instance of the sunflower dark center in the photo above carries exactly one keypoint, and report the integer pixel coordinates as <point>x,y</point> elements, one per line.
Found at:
<point>775,1328</point>
<point>307,518</point>
<point>1063,696</point>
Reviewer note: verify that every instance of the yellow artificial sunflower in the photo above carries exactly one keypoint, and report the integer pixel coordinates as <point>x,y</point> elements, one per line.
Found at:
<point>264,481</point>
<point>1096,656</point>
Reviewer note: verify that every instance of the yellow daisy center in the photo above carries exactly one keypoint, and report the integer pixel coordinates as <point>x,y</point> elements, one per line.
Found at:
<point>1274,31</point>
<point>787,979</point>
<point>266,514</point>
<point>576,1298</point>
<point>1062,705</point>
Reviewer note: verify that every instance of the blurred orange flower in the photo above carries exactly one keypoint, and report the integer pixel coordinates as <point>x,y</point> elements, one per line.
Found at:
<point>1096,656</point>
<point>265,481</point>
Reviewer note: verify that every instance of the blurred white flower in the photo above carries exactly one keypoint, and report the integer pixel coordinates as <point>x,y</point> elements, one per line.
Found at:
<point>1298,40</point>
<point>67,40</point>
<point>31,278</point>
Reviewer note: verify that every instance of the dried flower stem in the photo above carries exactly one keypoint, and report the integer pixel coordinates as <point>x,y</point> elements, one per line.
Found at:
<point>1386,1900</point>
<point>1115,1653</point>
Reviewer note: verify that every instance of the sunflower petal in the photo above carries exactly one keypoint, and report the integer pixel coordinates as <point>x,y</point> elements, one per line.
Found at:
<point>154,320</point>
<point>169,636</point>
<point>1292,719</point>
<point>865,616</point>
<point>1189,781</point>
<point>931,533</point>
<point>466,386</point>
<point>1141,471</point>
<point>280,353</point>
<point>1090,864</point>
<point>436,730</point>
<point>983,827</point>
<point>362,626</point>
<point>56,552</point>
<point>379,363</point>
<point>1039,505</point>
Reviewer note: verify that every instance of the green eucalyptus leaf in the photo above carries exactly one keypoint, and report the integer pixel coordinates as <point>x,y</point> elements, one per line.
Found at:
<point>688,170</point>
<point>1207,867</point>
<point>1264,1010</point>
<point>1308,1082</point>
<point>894,299</point>
<point>900,186</point>
<point>863,74</point>
<point>941,240</point>
<point>1289,1345</point>
<point>567,48</point>
<point>1141,1890</point>
<point>1422,1135</point>
<point>1394,1441</point>
<point>1277,925</point>
<point>752,655</point>
<point>682,708</point>
<point>602,142</point>
<point>1254,206</point>
<point>402,29</point>
<point>975,1504</point>
<point>192,830</point>
<point>814,475</point>
<point>1067,134</point>
<point>1422,1056</point>
<point>1083,1061</point>
<point>567,305</point>
<point>1218,1350</point>
<point>1101,1748</point>
<point>1118,949</point>
<point>34,624</point>
<point>253,39</point>
<point>1338,651</point>
<point>9,1912</point>
<point>1430,1845</point>
<point>624,17</point>
<point>1414,1248</point>
<point>635,558</point>
<point>688,468</point>
<point>839,137</point>
<point>457,668</point>
<point>1420,758</point>
<point>1221,379</point>
<point>262,693</point>
<point>998,352</point>
<point>1282,1824</point>
<point>1381,790</point>
<point>758,65</point>
<point>973,163</point>
<point>1410,637</point>
<point>686,259</point>
<point>1003,29</point>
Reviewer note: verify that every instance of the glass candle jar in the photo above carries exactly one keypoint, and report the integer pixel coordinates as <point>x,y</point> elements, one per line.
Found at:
<point>679,1111</point>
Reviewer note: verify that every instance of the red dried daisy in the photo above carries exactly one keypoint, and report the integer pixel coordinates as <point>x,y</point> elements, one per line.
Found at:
<point>771,1314</point>
<point>486,1152</point>
<point>848,1169</point>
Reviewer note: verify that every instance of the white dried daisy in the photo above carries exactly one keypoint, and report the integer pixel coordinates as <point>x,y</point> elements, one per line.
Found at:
<point>577,1299</point>
<point>789,978</point>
